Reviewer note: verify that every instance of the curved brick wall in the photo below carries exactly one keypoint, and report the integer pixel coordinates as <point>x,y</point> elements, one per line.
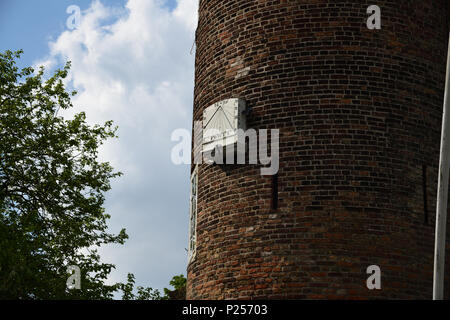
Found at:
<point>359,113</point>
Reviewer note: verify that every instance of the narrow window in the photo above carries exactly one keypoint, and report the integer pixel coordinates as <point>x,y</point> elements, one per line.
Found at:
<point>193,216</point>
<point>275,192</point>
<point>425,196</point>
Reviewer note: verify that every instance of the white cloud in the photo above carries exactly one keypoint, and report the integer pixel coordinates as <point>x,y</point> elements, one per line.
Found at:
<point>134,66</point>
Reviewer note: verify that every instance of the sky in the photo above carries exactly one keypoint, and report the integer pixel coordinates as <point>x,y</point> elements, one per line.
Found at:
<point>131,63</point>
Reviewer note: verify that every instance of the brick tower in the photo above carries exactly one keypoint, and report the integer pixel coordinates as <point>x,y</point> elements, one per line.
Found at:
<point>359,113</point>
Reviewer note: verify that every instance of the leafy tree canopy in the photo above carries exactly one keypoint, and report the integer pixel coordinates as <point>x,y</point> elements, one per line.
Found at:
<point>177,282</point>
<point>51,189</point>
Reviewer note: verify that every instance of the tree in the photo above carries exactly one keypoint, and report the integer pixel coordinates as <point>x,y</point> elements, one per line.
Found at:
<point>177,282</point>
<point>51,190</point>
<point>179,285</point>
<point>142,293</point>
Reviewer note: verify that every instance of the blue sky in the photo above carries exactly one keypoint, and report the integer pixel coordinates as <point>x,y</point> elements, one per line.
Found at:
<point>29,25</point>
<point>131,63</point>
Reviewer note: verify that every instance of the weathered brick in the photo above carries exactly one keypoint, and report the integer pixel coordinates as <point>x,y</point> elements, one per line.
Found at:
<point>359,113</point>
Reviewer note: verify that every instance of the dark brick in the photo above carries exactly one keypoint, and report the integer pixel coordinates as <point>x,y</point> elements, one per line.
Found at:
<point>359,113</point>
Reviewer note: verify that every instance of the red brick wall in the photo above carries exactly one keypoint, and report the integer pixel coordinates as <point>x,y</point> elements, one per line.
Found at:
<point>359,113</point>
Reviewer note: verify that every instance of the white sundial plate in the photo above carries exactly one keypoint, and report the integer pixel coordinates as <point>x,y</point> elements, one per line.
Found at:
<point>221,122</point>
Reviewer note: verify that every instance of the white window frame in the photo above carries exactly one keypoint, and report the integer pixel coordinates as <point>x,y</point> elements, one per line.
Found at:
<point>193,210</point>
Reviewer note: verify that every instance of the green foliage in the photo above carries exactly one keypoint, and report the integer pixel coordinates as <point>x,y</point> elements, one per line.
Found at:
<point>51,190</point>
<point>179,285</point>
<point>177,282</point>
<point>142,293</point>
